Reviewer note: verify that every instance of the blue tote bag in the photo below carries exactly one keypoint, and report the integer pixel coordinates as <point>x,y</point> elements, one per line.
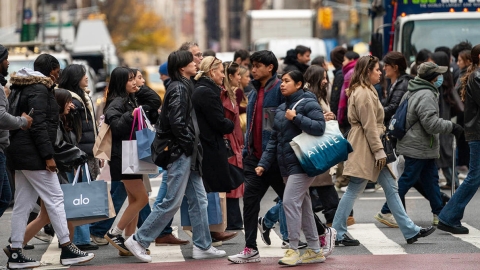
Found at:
<point>317,154</point>
<point>145,136</point>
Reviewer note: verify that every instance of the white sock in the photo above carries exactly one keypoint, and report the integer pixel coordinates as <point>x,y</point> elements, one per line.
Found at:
<point>116,231</point>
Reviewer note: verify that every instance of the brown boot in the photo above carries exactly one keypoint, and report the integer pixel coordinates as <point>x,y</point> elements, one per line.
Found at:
<point>223,236</point>
<point>170,240</point>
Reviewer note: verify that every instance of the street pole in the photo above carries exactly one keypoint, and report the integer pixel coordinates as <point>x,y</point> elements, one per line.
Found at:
<point>60,22</point>
<point>44,19</point>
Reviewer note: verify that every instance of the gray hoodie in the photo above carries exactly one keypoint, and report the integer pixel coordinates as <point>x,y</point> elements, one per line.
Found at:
<point>421,141</point>
<point>7,121</point>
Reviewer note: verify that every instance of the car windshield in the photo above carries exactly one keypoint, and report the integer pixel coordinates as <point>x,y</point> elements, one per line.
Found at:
<point>16,65</point>
<point>430,34</point>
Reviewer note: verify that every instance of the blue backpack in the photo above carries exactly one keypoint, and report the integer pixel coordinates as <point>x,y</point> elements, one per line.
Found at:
<point>398,123</point>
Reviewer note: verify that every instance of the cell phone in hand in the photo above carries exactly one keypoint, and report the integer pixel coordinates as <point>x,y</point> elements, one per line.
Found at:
<point>30,113</point>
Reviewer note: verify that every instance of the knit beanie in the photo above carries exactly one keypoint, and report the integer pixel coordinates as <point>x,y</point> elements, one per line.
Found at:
<point>3,53</point>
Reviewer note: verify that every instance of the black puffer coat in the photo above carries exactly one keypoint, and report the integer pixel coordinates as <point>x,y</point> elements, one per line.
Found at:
<point>213,125</point>
<point>395,94</point>
<point>29,149</point>
<point>119,116</point>
<point>86,129</point>
<point>309,119</point>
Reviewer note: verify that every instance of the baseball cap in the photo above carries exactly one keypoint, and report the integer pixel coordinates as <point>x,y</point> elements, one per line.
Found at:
<point>429,70</point>
<point>163,69</point>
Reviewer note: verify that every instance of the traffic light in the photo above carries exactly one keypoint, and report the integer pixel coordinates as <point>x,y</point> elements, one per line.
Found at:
<point>325,17</point>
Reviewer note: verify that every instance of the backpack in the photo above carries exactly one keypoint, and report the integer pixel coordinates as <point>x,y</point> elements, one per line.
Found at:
<point>13,101</point>
<point>398,123</point>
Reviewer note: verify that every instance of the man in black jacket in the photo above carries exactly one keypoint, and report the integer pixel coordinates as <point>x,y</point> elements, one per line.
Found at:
<point>297,59</point>
<point>336,56</point>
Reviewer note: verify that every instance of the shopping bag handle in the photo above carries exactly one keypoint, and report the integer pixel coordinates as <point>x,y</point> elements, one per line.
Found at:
<point>135,119</point>
<point>77,174</point>
<point>147,123</point>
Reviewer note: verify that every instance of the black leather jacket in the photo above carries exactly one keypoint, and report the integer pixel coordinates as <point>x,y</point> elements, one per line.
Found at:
<point>472,107</point>
<point>175,121</point>
<point>397,90</point>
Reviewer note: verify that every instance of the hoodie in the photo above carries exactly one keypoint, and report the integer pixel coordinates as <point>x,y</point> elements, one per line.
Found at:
<point>421,140</point>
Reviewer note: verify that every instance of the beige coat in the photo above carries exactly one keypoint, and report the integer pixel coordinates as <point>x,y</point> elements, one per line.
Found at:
<point>365,114</point>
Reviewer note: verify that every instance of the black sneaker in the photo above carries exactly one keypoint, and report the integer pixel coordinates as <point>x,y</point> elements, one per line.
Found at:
<point>424,232</point>
<point>117,241</point>
<point>264,231</point>
<point>347,241</point>
<point>16,259</point>
<point>286,244</point>
<point>452,229</point>
<point>89,246</point>
<point>72,255</point>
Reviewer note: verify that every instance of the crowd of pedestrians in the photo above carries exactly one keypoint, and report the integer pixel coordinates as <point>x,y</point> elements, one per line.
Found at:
<point>227,127</point>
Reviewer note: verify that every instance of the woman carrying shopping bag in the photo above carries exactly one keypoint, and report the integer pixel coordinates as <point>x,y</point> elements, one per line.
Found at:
<point>300,113</point>
<point>119,111</point>
<point>36,173</point>
<point>368,160</point>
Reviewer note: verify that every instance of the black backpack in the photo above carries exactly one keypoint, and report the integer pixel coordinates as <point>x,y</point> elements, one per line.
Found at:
<point>13,101</point>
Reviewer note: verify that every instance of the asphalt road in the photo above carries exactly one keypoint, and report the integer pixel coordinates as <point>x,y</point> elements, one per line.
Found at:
<point>381,248</point>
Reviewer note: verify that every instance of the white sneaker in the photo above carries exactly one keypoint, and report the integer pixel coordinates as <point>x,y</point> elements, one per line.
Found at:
<point>330,236</point>
<point>137,250</point>
<point>248,255</point>
<point>207,254</point>
<point>42,236</point>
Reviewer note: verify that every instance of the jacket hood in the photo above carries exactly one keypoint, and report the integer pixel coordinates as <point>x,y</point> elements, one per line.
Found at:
<point>26,76</point>
<point>349,67</point>
<point>420,84</point>
<point>272,81</point>
<point>291,57</point>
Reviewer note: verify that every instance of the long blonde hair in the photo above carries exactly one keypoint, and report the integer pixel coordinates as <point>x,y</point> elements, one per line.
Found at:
<point>364,65</point>
<point>230,69</point>
<point>208,63</point>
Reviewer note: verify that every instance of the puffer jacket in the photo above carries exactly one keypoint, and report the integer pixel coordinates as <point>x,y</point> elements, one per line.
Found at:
<point>309,119</point>
<point>85,115</point>
<point>29,149</point>
<point>422,141</point>
<point>175,121</point>
<point>397,90</point>
<point>472,107</point>
<point>271,100</point>
<point>119,116</point>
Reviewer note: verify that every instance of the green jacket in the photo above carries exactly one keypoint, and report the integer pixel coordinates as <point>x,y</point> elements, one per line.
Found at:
<point>421,141</point>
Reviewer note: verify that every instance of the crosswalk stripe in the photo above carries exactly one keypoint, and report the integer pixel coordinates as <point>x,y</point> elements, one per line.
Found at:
<point>473,237</point>
<point>371,237</point>
<point>166,253</point>
<point>51,258</point>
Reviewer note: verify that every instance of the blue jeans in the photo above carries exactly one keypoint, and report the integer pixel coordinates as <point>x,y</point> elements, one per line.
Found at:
<point>452,213</point>
<point>119,195</point>
<point>425,172</point>
<point>181,181</point>
<point>276,213</point>
<point>5,191</point>
<point>389,185</point>
<point>162,192</point>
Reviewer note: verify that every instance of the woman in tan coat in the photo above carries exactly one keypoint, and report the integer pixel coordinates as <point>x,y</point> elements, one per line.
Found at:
<point>367,161</point>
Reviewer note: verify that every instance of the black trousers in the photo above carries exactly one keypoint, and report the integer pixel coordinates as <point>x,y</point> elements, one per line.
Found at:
<point>328,197</point>
<point>234,215</point>
<point>255,188</point>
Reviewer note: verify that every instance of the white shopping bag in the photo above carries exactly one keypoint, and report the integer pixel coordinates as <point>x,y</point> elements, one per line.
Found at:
<point>131,164</point>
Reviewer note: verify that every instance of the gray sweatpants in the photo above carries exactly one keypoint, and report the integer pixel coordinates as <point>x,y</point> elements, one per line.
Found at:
<point>298,210</point>
<point>28,186</point>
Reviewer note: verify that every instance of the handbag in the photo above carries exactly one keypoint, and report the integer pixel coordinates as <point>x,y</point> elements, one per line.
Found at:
<point>145,136</point>
<point>388,148</point>
<point>317,154</point>
<point>87,202</point>
<point>67,156</point>
<point>103,143</point>
<point>216,210</point>
<point>131,164</point>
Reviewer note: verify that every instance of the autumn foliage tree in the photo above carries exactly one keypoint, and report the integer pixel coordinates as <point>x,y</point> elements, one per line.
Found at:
<point>133,27</point>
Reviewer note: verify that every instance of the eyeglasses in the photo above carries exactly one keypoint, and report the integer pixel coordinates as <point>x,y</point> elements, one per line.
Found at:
<point>198,54</point>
